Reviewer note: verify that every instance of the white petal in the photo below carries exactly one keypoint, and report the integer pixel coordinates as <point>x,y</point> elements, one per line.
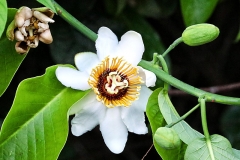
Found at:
<point>89,113</point>
<point>106,42</point>
<point>113,130</point>
<point>131,47</point>
<point>73,78</point>
<point>143,98</point>
<point>86,61</point>
<point>149,77</point>
<point>134,119</point>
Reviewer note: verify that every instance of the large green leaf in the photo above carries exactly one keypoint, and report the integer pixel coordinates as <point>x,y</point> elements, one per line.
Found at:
<point>221,149</point>
<point>156,120</point>
<point>185,132</point>
<point>3,15</point>
<point>236,153</point>
<point>37,124</point>
<point>49,4</point>
<point>197,11</point>
<point>10,60</point>
<point>153,113</point>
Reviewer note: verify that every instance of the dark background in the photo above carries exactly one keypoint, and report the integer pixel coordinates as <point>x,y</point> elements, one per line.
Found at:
<point>216,63</point>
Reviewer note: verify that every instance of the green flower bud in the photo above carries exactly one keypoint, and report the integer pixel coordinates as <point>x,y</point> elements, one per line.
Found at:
<point>199,34</point>
<point>167,138</point>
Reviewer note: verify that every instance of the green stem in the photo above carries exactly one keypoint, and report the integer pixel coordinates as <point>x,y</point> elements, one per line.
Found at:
<point>74,22</point>
<point>183,117</point>
<point>205,127</point>
<point>210,97</point>
<point>155,59</point>
<point>173,45</point>
<point>165,69</point>
<point>204,118</point>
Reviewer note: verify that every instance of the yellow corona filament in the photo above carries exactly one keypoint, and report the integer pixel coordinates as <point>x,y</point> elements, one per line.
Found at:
<point>115,82</point>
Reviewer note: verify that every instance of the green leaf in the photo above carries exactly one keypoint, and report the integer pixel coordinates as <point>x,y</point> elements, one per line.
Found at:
<point>221,147</point>
<point>37,125</point>
<point>10,60</point>
<point>153,113</point>
<point>197,11</point>
<point>49,4</point>
<point>236,153</point>
<point>156,120</point>
<point>185,132</point>
<point>3,15</point>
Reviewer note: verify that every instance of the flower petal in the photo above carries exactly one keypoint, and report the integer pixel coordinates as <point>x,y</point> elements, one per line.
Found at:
<point>89,113</point>
<point>131,47</point>
<point>73,78</point>
<point>149,77</point>
<point>134,119</point>
<point>85,61</point>
<point>106,42</point>
<point>145,93</point>
<point>113,130</point>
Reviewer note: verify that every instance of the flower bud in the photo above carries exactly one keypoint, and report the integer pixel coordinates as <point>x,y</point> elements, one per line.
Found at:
<point>167,138</point>
<point>199,34</point>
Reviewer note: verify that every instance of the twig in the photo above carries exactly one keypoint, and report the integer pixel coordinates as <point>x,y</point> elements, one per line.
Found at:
<point>213,89</point>
<point>147,152</point>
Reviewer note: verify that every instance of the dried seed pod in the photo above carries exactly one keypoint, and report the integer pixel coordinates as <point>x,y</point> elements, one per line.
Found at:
<point>29,26</point>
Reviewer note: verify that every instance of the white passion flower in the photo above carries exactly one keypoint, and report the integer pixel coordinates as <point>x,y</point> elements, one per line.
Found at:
<point>119,93</point>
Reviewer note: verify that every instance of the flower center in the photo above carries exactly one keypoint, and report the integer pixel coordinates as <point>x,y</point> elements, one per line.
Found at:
<point>115,82</point>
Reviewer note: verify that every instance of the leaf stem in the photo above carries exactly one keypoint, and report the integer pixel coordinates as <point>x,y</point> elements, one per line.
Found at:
<point>183,117</point>
<point>173,45</point>
<point>205,127</point>
<point>74,22</point>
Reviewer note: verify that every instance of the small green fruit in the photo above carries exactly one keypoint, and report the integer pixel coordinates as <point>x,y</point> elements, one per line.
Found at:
<point>167,138</point>
<point>199,34</point>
